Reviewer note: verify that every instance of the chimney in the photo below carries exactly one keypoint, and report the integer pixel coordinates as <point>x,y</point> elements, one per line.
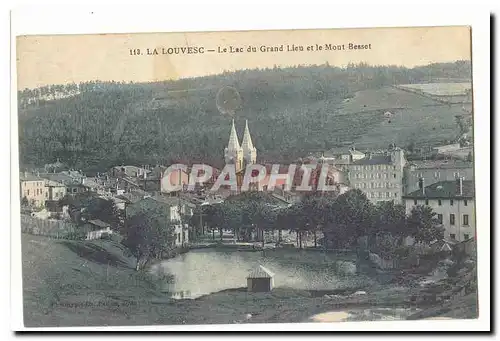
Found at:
<point>421,185</point>
<point>460,186</point>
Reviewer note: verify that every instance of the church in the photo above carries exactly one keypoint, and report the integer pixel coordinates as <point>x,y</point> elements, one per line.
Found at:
<point>240,155</point>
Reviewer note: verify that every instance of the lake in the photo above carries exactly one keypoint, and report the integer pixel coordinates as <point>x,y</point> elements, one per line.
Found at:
<point>204,271</point>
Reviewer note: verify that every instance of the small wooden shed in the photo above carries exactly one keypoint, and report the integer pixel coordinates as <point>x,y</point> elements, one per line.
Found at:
<point>260,279</point>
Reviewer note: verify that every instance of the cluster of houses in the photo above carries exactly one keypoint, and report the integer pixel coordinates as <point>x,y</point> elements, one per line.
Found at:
<point>445,185</point>
<point>41,193</point>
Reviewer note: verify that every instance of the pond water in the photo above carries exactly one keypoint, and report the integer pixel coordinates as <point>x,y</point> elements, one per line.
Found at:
<point>205,271</point>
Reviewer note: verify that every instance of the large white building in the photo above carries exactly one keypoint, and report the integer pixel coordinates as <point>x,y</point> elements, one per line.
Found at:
<point>379,176</point>
<point>453,201</point>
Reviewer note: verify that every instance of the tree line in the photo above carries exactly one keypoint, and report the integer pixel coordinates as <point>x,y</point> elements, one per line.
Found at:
<point>291,111</point>
<point>343,219</point>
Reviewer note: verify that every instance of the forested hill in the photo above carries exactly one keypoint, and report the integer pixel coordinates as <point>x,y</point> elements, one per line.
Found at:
<point>291,112</point>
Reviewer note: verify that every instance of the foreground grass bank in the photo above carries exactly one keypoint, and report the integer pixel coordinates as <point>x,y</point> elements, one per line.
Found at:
<point>68,283</point>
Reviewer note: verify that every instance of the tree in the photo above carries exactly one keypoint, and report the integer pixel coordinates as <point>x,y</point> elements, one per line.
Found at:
<point>25,202</point>
<point>105,210</point>
<point>351,217</point>
<point>390,218</point>
<point>148,234</point>
<point>423,225</point>
<point>470,158</point>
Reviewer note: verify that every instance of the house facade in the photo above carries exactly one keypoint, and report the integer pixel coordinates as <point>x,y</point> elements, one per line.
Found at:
<point>32,187</point>
<point>453,202</point>
<point>55,190</point>
<point>380,176</point>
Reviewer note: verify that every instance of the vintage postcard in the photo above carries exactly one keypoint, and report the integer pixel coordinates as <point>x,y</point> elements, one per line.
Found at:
<point>246,177</point>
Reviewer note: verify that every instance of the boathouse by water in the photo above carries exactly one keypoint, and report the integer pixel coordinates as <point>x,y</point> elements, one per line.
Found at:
<point>260,279</point>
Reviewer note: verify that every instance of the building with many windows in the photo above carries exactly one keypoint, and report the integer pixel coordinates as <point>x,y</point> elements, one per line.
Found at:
<point>379,176</point>
<point>453,201</point>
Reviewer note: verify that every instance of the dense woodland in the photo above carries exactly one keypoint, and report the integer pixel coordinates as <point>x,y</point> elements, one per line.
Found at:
<point>291,112</point>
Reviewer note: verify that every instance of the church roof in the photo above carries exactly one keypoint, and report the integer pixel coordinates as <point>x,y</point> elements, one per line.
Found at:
<point>233,139</point>
<point>247,144</point>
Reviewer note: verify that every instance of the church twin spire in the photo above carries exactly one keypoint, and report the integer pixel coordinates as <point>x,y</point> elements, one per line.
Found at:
<point>233,139</point>
<point>247,144</point>
<point>241,155</point>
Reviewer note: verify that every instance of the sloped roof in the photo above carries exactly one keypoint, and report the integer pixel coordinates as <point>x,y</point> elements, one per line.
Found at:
<point>377,159</point>
<point>441,164</point>
<point>445,189</point>
<point>29,177</point>
<point>260,272</point>
<point>98,223</point>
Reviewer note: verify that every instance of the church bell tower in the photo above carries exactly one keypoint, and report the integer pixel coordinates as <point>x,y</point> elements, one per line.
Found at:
<point>233,153</point>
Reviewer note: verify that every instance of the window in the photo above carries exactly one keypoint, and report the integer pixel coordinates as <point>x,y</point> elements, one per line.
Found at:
<point>427,201</point>
<point>451,202</point>
<point>440,218</point>
<point>179,237</point>
<point>387,195</point>
<point>466,220</point>
<point>394,167</point>
<point>465,202</point>
<point>466,236</point>
<point>436,175</point>
<point>439,202</point>
<point>452,219</point>
<point>394,175</point>
<point>378,175</point>
<point>452,236</point>
<point>414,201</point>
<point>28,192</point>
<point>395,194</point>
<point>385,175</point>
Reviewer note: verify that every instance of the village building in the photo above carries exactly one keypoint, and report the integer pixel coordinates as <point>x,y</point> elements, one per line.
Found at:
<point>435,171</point>
<point>33,189</point>
<point>96,228</point>
<point>174,208</point>
<point>453,202</point>
<point>340,157</point>
<point>129,171</point>
<point>55,190</point>
<point>379,176</point>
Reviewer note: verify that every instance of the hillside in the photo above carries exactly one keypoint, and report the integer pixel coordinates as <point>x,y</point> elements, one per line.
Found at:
<point>291,112</point>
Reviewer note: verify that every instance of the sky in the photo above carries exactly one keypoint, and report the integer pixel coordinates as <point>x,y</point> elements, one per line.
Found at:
<point>62,59</point>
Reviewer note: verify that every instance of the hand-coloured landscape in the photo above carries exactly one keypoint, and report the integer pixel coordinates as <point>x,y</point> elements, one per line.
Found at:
<point>312,184</point>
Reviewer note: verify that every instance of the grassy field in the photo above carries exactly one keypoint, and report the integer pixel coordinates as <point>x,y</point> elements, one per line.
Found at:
<point>93,284</point>
<point>414,118</point>
<point>440,89</point>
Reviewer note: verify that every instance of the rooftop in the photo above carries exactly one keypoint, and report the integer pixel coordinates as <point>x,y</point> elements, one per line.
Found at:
<point>374,159</point>
<point>260,272</point>
<point>442,164</point>
<point>29,177</point>
<point>445,189</point>
<point>99,223</point>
